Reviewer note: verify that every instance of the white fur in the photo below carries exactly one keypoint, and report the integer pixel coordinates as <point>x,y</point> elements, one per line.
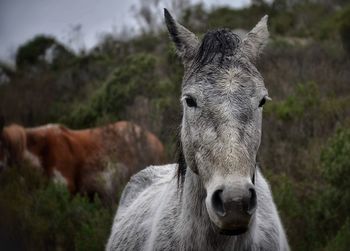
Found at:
<point>154,215</point>
<point>58,178</point>
<point>32,159</point>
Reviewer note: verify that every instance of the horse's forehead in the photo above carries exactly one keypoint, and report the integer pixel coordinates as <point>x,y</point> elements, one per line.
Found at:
<point>235,80</point>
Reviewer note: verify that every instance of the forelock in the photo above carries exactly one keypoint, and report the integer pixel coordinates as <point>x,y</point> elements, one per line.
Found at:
<point>216,46</point>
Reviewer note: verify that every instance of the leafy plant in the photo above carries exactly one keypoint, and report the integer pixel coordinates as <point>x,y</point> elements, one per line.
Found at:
<point>39,215</point>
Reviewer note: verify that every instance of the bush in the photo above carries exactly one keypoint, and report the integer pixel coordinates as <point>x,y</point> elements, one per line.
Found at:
<point>329,214</point>
<point>344,28</point>
<point>33,52</point>
<point>135,77</point>
<point>319,206</point>
<point>305,99</point>
<point>294,209</point>
<point>39,215</point>
<point>336,161</point>
<point>341,242</point>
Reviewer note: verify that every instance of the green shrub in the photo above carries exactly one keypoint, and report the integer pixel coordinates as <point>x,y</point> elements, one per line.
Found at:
<point>336,161</point>
<point>32,52</point>
<point>39,215</point>
<point>293,207</point>
<point>335,168</point>
<point>344,28</point>
<point>305,99</point>
<point>341,242</point>
<point>331,206</point>
<point>135,77</point>
<point>281,24</point>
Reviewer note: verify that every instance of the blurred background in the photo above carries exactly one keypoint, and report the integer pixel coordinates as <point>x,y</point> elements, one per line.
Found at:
<point>86,63</point>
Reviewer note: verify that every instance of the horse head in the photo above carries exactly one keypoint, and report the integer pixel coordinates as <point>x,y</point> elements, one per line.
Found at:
<point>223,95</point>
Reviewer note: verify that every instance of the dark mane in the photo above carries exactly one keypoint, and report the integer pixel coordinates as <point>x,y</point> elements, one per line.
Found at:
<point>221,42</point>
<point>181,169</point>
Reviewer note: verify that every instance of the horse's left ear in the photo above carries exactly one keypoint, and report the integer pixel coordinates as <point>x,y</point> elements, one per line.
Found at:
<point>255,41</point>
<point>186,42</point>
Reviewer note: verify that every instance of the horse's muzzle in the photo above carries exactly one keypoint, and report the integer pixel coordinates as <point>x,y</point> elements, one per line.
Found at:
<point>232,208</point>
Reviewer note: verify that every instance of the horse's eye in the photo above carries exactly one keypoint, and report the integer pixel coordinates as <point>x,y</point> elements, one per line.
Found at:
<point>262,102</point>
<point>190,102</point>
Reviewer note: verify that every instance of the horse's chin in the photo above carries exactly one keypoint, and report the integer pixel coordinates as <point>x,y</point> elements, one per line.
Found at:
<point>231,231</point>
<point>235,231</point>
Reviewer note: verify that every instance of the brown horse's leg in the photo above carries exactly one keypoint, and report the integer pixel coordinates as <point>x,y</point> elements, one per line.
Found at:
<point>71,186</point>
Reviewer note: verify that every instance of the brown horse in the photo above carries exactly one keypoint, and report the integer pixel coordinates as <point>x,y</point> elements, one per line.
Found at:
<point>79,158</point>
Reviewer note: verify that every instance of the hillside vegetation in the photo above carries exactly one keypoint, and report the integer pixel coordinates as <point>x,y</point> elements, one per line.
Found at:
<point>306,128</point>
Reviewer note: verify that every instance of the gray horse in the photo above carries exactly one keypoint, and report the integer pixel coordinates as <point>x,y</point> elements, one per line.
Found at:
<point>220,200</point>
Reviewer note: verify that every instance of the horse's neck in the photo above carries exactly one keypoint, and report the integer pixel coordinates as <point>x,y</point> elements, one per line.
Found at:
<point>195,226</point>
<point>193,198</point>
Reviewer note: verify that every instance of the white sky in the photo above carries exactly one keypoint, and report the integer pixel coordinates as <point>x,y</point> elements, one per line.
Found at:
<point>21,20</point>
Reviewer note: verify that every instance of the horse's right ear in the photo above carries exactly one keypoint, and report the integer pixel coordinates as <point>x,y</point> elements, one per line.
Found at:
<point>185,41</point>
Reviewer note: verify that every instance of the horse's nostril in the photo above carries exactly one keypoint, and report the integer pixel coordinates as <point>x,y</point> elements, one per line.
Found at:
<point>234,203</point>
<point>217,202</point>
<point>252,201</point>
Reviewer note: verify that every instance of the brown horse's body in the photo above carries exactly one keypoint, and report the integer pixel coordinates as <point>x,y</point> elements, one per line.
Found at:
<point>78,157</point>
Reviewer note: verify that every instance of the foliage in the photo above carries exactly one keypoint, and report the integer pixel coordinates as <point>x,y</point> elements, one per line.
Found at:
<point>292,211</point>
<point>37,215</point>
<point>134,77</point>
<point>341,241</point>
<point>306,98</point>
<point>336,161</point>
<point>335,168</point>
<point>33,52</point>
<point>319,205</point>
<point>344,28</point>
<point>332,208</point>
